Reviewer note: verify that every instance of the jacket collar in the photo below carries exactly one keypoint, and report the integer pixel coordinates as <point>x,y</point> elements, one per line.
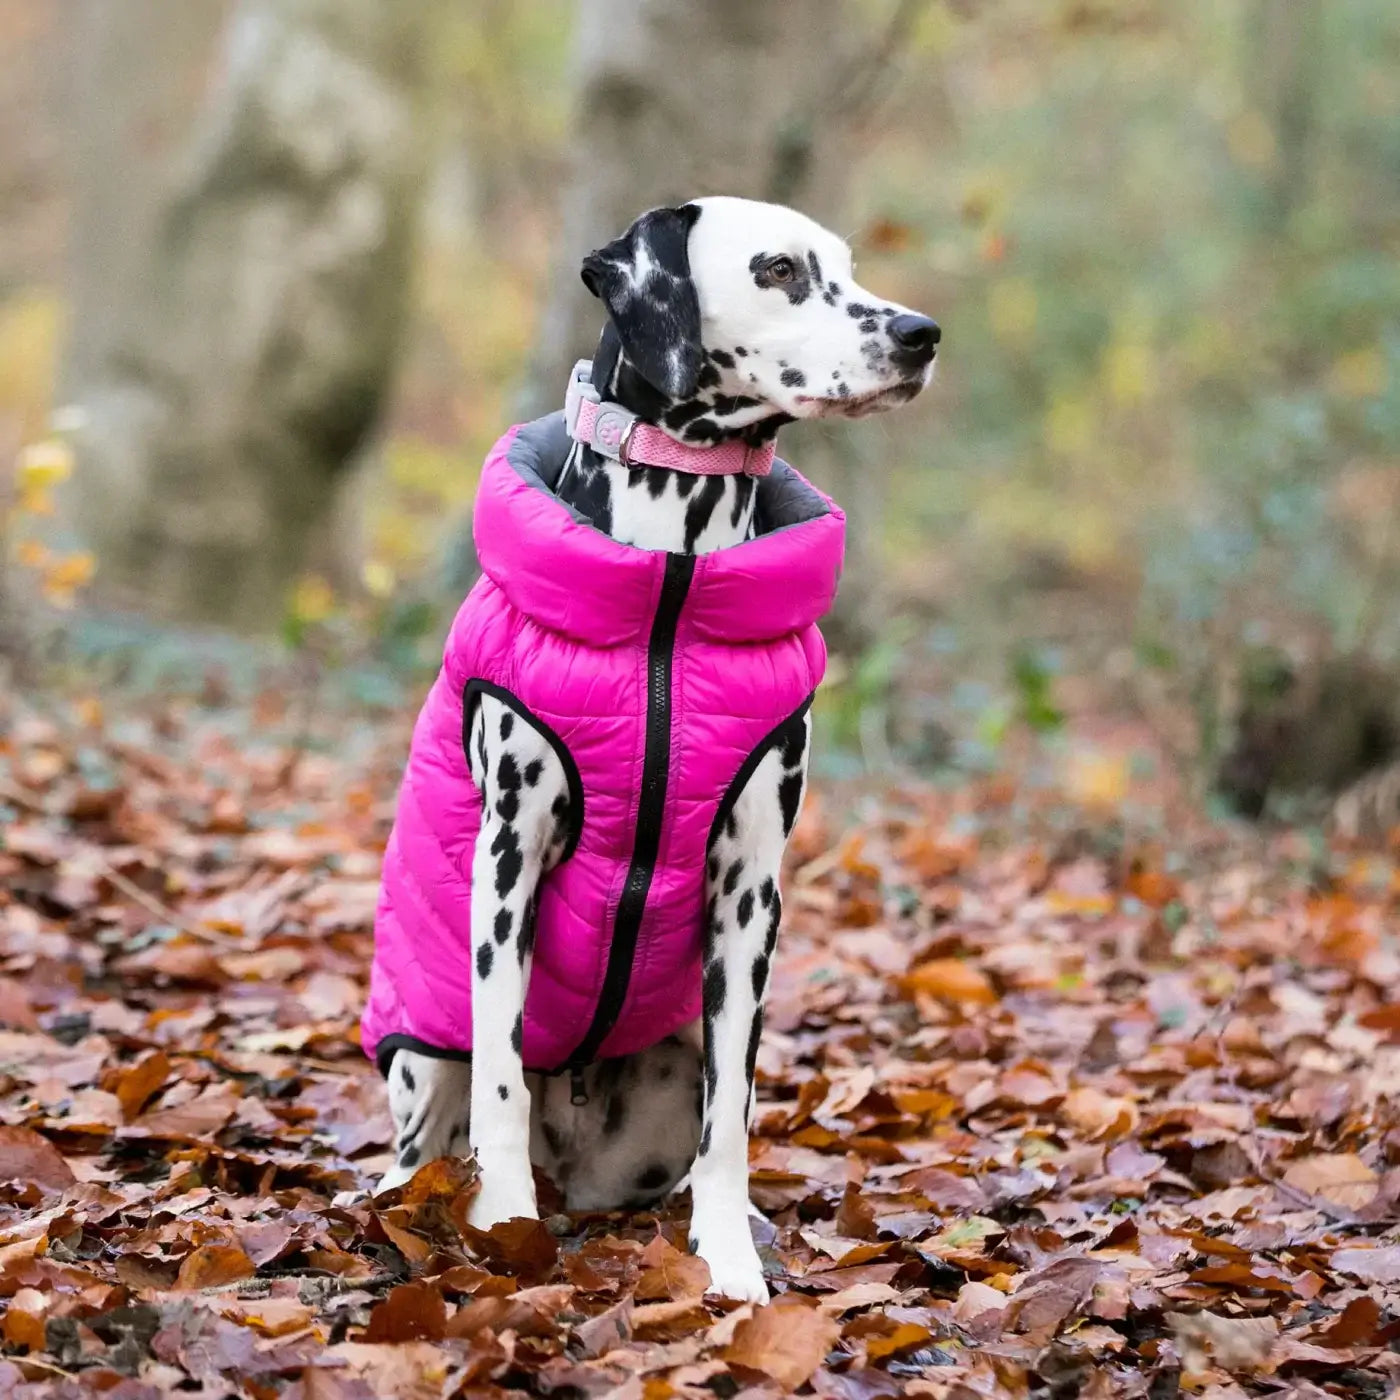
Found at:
<point>569,576</point>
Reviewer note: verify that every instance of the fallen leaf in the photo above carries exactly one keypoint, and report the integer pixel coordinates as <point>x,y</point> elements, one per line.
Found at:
<point>784,1340</point>
<point>1378,1265</point>
<point>23,1326</point>
<point>950,979</point>
<point>1098,1114</point>
<point>135,1087</point>
<point>214,1266</point>
<point>1340,1177</point>
<point>27,1156</point>
<point>1354,1326</point>
<point>412,1312</point>
<point>1206,1340</point>
<point>667,1273</point>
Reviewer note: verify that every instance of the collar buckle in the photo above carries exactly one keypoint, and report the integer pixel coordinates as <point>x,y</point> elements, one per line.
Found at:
<point>580,390</point>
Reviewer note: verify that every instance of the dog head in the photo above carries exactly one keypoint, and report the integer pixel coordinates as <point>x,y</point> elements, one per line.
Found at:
<point>740,314</point>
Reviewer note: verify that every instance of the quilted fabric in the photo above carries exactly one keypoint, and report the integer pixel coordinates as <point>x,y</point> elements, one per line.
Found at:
<point>561,621</point>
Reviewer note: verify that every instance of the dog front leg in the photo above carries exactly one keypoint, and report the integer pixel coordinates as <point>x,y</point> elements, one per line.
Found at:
<point>744,909</point>
<point>522,787</point>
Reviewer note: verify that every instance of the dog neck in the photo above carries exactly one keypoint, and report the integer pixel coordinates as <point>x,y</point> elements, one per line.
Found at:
<point>655,507</point>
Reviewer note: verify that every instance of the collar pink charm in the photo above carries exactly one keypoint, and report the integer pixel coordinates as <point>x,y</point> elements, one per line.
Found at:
<point>616,432</point>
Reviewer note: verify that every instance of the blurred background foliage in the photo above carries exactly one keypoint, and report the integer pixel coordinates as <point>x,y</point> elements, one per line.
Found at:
<point>1163,239</point>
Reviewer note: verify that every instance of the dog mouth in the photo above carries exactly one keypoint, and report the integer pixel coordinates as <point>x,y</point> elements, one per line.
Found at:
<point>862,405</point>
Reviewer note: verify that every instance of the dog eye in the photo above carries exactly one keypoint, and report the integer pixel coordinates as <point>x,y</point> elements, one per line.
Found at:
<point>782,269</point>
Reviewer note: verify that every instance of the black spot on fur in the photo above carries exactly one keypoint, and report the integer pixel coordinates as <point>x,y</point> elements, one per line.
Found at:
<point>653,1178</point>
<point>683,413</point>
<point>744,909</point>
<point>712,868</point>
<point>704,430</point>
<point>533,769</point>
<point>789,795</point>
<point>509,862</point>
<point>701,509</point>
<point>768,892</point>
<point>711,1070</point>
<point>559,810</point>
<point>793,378</point>
<point>685,484</point>
<point>843,390</point>
<point>739,350</point>
<point>731,877</point>
<point>484,958</point>
<point>526,944</point>
<point>656,479</point>
<point>588,490</point>
<point>731,825</point>
<point>406,1075</point>
<point>722,358</point>
<point>409,1157</point>
<point>503,1092</point>
<point>794,744</point>
<point>704,1152</point>
<point>814,263</point>
<point>869,324</point>
<point>727,405</point>
<point>502,925</point>
<point>858,310</point>
<point>760,976</point>
<point>517,1033</point>
<point>508,805</point>
<point>755,1032</point>
<point>743,494</point>
<point>507,724</point>
<point>709,377</point>
<point>714,990</point>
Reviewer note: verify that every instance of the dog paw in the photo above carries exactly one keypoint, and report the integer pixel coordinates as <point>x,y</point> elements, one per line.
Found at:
<point>495,1203</point>
<point>735,1270</point>
<point>395,1176</point>
<point>736,1273</point>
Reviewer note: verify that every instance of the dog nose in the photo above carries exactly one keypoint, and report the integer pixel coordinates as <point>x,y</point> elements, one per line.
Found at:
<point>914,337</point>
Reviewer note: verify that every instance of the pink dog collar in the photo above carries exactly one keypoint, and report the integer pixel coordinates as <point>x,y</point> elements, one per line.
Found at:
<point>615,432</point>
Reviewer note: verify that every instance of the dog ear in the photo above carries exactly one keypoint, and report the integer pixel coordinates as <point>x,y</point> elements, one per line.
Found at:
<point>643,278</point>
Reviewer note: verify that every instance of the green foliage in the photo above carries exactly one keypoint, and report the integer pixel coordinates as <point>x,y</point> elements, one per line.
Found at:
<point>1033,680</point>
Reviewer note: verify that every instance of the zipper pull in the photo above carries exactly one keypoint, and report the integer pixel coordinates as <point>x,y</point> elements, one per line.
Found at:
<point>578,1094</point>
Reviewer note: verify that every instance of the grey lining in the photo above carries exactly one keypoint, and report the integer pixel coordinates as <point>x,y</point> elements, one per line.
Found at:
<point>540,449</point>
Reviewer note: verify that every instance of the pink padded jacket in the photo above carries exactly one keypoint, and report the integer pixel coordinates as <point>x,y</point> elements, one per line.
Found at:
<point>660,680</point>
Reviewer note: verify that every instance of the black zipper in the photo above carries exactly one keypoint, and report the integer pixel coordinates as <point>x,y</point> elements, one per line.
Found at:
<point>656,766</point>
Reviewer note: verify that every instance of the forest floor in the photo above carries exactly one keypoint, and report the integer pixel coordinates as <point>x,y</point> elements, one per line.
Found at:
<point>1060,1096</point>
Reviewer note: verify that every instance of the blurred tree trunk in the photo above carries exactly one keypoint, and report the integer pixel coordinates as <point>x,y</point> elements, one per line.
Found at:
<point>1284,58</point>
<point>680,98</point>
<point>236,311</point>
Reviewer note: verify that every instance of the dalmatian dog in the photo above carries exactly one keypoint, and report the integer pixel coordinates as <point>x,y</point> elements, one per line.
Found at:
<point>727,319</point>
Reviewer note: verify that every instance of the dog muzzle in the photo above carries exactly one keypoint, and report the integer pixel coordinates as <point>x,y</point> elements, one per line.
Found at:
<point>616,432</point>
